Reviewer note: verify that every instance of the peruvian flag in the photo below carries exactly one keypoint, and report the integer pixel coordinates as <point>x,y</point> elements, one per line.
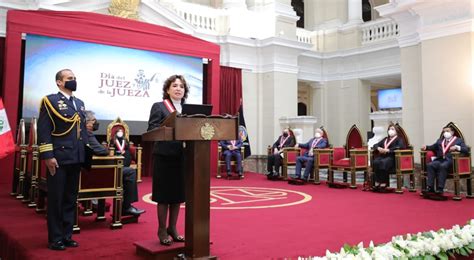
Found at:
<point>7,145</point>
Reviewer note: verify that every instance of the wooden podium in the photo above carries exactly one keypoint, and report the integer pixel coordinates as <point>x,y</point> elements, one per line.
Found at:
<point>196,132</point>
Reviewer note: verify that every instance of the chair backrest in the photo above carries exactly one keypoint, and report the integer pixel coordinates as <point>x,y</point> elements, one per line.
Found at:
<point>113,127</point>
<point>21,133</point>
<point>403,135</point>
<point>326,135</point>
<point>353,139</point>
<point>457,131</point>
<point>33,140</point>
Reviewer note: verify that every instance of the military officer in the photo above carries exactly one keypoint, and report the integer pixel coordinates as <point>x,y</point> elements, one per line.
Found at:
<point>62,136</point>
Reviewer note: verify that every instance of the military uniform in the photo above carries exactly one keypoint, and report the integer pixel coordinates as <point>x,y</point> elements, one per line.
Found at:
<point>62,135</point>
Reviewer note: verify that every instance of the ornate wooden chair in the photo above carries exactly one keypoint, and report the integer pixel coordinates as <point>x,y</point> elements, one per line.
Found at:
<point>21,150</point>
<point>104,180</point>
<point>404,162</point>
<point>322,159</point>
<point>289,157</point>
<point>350,158</point>
<point>461,167</point>
<point>221,160</point>
<point>32,169</point>
<point>135,151</point>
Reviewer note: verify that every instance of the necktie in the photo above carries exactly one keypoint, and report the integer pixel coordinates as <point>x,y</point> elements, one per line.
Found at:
<point>71,98</point>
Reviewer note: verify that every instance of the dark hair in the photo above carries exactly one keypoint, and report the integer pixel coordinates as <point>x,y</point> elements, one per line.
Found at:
<point>59,74</point>
<point>394,126</point>
<point>450,128</point>
<point>168,83</point>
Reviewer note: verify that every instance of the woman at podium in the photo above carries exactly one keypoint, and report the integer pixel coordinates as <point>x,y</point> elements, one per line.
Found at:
<point>168,162</point>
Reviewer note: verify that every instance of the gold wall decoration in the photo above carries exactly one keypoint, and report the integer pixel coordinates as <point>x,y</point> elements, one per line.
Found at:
<point>124,8</point>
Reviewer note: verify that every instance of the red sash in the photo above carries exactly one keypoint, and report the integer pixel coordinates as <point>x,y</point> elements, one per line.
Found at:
<point>120,147</point>
<point>446,148</point>
<point>282,141</point>
<point>169,105</point>
<point>386,145</point>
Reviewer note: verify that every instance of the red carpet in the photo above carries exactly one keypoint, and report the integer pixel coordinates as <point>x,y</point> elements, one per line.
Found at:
<point>247,222</point>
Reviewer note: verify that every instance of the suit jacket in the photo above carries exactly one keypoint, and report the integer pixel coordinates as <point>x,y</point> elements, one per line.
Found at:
<point>395,145</point>
<point>96,147</point>
<point>61,129</point>
<point>290,142</point>
<point>321,144</point>
<point>158,114</point>
<point>225,143</point>
<point>438,149</point>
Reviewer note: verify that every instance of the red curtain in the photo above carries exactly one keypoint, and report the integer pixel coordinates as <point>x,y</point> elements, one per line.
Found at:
<point>230,90</point>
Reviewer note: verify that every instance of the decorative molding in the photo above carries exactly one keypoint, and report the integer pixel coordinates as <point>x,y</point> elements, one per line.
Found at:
<point>301,120</point>
<point>167,14</point>
<point>424,20</point>
<point>386,115</point>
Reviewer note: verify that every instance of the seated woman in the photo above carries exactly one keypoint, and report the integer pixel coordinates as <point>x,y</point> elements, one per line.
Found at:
<point>384,162</point>
<point>274,160</point>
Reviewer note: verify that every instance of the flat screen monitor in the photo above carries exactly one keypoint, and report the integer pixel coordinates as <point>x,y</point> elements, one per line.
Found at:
<point>112,81</point>
<point>193,109</point>
<point>390,98</point>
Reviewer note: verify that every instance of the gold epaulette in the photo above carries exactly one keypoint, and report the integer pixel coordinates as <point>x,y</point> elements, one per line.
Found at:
<point>74,119</point>
<point>45,148</point>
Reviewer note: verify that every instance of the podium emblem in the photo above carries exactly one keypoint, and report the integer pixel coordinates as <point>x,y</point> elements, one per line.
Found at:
<point>207,131</point>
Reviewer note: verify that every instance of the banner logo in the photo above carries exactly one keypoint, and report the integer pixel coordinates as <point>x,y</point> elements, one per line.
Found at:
<point>119,85</point>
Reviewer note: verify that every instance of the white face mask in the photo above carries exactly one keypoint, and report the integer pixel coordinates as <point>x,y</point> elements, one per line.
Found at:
<point>447,135</point>
<point>119,134</point>
<point>391,132</point>
<point>317,135</point>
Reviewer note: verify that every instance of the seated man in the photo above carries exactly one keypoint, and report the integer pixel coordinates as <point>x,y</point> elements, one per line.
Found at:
<point>439,167</point>
<point>231,148</point>
<point>130,191</point>
<point>274,160</point>
<point>91,126</point>
<point>317,142</point>
<point>385,160</point>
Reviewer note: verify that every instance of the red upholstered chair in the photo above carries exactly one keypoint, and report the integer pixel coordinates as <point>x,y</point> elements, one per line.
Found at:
<point>221,160</point>
<point>350,158</point>
<point>461,167</point>
<point>135,150</point>
<point>322,159</point>
<point>404,162</point>
<point>103,181</point>
<point>289,159</point>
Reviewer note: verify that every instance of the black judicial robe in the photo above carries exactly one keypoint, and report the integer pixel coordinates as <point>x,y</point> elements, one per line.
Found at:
<point>385,163</point>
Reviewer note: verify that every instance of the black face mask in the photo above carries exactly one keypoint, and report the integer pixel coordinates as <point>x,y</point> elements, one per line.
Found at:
<point>71,85</point>
<point>95,126</point>
<point>285,134</point>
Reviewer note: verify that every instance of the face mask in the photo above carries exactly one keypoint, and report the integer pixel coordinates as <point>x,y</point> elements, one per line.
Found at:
<point>119,134</point>
<point>95,126</point>
<point>447,135</point>
<point>317,135</point>
<point>392,132</point>
<point>71,85</point>
<point>285,134</point>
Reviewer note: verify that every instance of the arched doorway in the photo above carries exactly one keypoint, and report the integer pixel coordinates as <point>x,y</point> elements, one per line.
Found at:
<point>302,109</point>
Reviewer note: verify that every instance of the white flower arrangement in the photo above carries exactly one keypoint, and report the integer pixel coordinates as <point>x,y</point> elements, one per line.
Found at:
<point>421,246</point>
